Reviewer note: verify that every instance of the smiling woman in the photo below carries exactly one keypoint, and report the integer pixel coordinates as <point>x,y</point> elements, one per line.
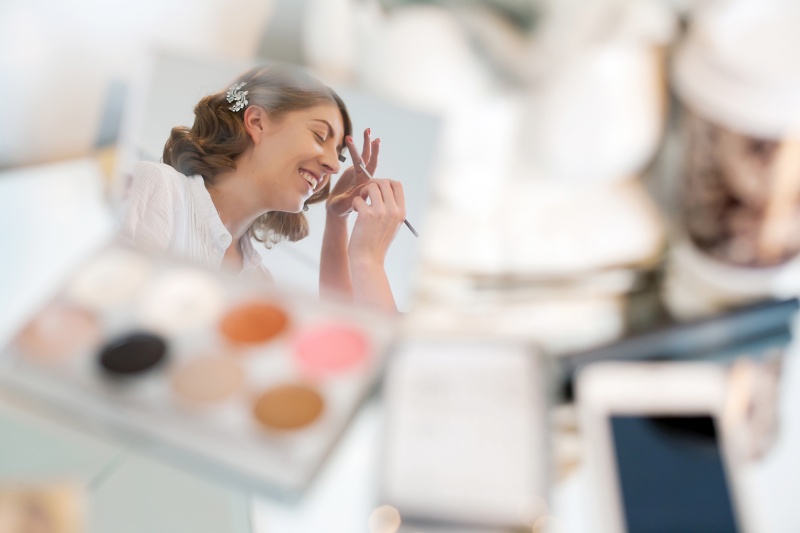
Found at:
<point>258,154</point>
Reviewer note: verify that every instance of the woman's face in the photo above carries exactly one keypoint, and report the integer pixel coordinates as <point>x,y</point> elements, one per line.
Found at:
<point>296,155</point>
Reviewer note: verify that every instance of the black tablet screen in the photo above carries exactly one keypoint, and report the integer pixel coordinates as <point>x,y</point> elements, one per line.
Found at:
<point>672,475</point>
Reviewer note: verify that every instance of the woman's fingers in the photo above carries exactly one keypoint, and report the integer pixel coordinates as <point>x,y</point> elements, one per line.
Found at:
<point>393,199</point>
<point>368,155</point>
<point>354,155</point>
<point>372,190</point>
<point>351,147</point>
<point>355,191</point>
<point>386,192</point>
<point>359,205</point>
<point>372,162</point>
<point>385,197</point>
<point>399,195</point>
<point>366,151</point>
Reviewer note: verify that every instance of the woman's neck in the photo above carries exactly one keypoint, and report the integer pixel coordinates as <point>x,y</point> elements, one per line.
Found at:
<point>233,197</point>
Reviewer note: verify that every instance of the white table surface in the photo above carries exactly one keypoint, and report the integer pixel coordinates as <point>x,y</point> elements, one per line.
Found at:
<point>50,217</point>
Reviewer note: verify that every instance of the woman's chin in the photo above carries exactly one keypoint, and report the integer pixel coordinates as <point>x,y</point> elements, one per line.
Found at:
<point>291,206</point>
<point>297,208</point>
<point>295,205</point>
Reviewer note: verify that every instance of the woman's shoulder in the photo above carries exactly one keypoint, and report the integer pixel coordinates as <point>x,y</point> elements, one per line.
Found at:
<point>152,204</point>
<point>157,174</point>
<point>154,188</point>
<point>150,181</point>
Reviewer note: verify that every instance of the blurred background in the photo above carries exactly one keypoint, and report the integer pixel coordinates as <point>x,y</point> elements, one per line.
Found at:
<point>546,155</point>
<point>579,170</point>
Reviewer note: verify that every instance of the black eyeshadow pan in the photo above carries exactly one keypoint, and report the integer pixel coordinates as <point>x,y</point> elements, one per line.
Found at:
<point>133,354</point>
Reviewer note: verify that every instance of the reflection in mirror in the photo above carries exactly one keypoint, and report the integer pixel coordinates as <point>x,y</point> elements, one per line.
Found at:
<point>252,218</point>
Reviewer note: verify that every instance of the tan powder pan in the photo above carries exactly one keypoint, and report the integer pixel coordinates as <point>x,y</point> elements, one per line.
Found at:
<point>253,323</point>
<point>58,333</point>
<point>289,406</point>
<point>208,380</point>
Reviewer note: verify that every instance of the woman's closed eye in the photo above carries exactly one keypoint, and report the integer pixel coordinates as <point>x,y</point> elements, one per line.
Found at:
<point>322,138</point>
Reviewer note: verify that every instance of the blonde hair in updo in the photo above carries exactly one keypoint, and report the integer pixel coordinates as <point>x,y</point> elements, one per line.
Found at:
<point>218,136</point>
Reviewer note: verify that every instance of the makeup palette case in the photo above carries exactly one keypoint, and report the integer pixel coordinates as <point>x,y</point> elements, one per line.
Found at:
<point>237,378</point>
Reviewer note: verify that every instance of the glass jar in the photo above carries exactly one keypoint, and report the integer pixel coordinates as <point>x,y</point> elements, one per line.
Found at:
<point>740,194</point>
<point>738,75</point>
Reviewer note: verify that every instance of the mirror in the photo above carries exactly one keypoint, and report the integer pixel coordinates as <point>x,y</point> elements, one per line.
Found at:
<point>167,96</point>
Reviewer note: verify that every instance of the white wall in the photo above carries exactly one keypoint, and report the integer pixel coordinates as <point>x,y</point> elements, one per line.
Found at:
<point>57,59</point>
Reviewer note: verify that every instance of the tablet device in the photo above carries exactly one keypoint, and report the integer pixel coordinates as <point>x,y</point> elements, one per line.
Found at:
<point>660,446</point>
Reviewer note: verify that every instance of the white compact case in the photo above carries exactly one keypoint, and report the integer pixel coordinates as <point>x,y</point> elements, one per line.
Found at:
<point>466,433</point>
<point>641,393</point>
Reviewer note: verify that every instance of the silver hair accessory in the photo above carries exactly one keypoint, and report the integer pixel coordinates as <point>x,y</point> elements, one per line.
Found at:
<point>235,94</point>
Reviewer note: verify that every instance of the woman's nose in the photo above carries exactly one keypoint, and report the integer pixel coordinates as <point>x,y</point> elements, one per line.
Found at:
<point>330,161</point>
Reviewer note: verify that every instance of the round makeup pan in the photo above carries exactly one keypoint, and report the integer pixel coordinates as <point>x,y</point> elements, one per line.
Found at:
<point>330,348</point>
<point>58,333</point>
<point>109,280</point>
<point>253,322</point>
<point>181,300</point>
<point>133,354</point>
<point>288,407</point>
<point>207,380</point>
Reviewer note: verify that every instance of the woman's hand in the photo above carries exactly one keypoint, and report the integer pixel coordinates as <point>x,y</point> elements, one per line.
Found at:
<point>349,185</point>
<point>356,267</point>
<point>378,221</point>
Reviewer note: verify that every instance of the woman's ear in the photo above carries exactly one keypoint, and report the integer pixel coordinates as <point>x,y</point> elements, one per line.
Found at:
<point>255,122</point>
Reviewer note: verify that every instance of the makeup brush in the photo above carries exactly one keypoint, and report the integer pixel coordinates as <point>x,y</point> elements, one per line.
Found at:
<point>363,167</point>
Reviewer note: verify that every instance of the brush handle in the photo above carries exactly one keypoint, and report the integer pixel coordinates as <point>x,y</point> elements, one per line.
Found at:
<point>405,221</point>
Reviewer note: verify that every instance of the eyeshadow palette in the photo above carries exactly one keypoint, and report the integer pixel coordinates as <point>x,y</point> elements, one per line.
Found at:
<point>245,379</point>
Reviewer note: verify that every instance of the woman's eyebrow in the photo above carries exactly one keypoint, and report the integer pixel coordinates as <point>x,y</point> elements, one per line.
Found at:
<point>330,128</point>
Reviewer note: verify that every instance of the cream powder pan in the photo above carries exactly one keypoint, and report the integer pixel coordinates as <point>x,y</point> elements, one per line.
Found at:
<point>180,300</point>
<point>207,380</point>
<point>109,280</point>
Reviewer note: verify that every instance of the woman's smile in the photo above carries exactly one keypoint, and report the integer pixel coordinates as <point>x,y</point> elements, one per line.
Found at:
<point>311,178</point>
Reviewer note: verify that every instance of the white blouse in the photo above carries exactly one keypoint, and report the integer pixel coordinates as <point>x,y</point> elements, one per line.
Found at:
<point>165,210</point>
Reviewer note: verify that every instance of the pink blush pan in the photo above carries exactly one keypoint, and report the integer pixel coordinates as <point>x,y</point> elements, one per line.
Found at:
<point>331,348</point>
